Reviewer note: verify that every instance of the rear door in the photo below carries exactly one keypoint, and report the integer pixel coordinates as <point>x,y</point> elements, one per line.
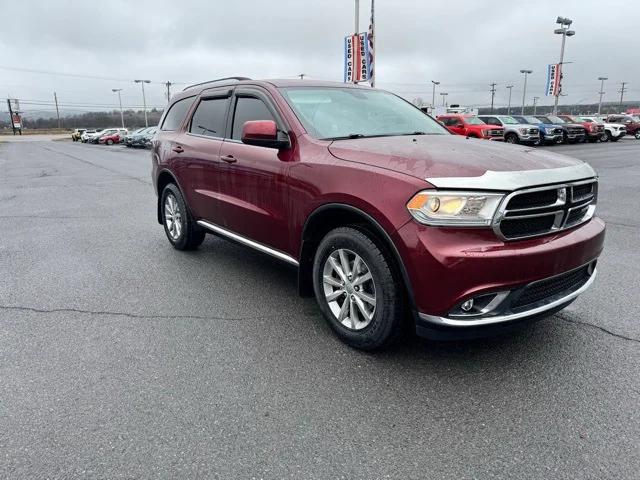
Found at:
<point>253,182</point>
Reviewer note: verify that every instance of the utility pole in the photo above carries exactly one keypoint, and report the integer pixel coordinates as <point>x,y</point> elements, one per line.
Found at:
<point>11,115</point>
<point>168,84</point>
<point>622,90</point>
<point>444,96</point>
<point>118,90</point>
<point>55,98</point>
<point>535,104</point>
<point>509,106</point>
<point>144,100</point>
<point>433,94</point>
<point>493,94</point>
<point>601,92</point>
<point>302,76</point>
<point>565,32</point>
<point>524,90</point>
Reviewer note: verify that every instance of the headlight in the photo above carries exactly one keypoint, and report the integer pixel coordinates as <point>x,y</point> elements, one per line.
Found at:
<point>548,130</point>
<point>471,209</point>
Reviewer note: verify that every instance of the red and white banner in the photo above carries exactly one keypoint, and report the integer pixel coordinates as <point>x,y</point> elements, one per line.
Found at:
<point>554,74</point>
<point>357,62</point>
<point>17,121</point>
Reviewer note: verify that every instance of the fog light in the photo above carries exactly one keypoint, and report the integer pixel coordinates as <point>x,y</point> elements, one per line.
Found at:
<point>468,305</point>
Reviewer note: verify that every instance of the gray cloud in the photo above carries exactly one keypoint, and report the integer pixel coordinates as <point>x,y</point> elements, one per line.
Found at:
<point>464,44</point>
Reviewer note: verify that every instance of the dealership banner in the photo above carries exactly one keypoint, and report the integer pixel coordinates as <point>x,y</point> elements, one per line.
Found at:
<point>357,61</point>
<point>554,72</point>
<point>17,121</point>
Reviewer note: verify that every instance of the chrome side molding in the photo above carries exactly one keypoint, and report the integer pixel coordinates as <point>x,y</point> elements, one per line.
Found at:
<point>248,242</point>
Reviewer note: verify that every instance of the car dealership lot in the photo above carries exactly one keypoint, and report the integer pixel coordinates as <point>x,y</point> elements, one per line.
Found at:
<point>121,357</point>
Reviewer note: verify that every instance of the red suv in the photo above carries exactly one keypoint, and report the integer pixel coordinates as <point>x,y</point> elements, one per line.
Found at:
<point>471,126</point>
<point>385,214</point>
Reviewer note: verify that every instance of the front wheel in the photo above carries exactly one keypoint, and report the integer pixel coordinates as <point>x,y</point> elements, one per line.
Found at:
<point>512,138</point>
<point>358,289</point>
<point>181,229</point>
<point>637,135</point>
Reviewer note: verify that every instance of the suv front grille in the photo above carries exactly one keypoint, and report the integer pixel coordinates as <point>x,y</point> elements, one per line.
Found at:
<point>548,289</point>
<point>496,133</point>
<point>540,211</point>
<point>534,131</point>
<point>575,130</point>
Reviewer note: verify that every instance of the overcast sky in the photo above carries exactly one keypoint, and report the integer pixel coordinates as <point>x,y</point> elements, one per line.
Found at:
<point>465,44</point>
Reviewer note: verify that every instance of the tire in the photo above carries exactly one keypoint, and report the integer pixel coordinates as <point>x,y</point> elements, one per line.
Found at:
<point>181,230</point>
<point>604,137</point>
<point>383,324</point>
<point>512,138</point>
<point>637,135</point>
<point>109,142</point>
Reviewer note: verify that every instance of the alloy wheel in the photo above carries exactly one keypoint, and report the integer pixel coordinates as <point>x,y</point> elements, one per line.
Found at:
<point>349,289</point>
<point>172,217</point>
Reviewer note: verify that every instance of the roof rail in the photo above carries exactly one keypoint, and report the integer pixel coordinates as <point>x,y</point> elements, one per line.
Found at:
<point>216,80</point>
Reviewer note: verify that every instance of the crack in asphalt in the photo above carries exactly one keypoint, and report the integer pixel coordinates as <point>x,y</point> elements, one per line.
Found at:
<point>79,159</point>
<point>619,224</point>
<point>565,318</point>
<point>137,315</point>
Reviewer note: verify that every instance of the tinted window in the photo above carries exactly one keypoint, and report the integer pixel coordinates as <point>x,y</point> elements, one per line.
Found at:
<point>210,117</point>
<point>248,109</point>
<point>176,114</point>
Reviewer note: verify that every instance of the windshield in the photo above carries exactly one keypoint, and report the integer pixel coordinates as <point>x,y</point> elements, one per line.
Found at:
<point>473,121</point>
<point>335,113</point>
<point>533,120</point>
<point>555,119</point>
<point>509,120</point>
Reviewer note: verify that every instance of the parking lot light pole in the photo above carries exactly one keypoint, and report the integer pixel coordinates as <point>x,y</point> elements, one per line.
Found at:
<point>601,92</point>
<point>524,90</point>
<point>510,87</point>
<point>144,100</point>
<point>565,32</point>
<point>433,94</point>
<point>118,90</point>
<point>535,104</point>
<point>444,96</point>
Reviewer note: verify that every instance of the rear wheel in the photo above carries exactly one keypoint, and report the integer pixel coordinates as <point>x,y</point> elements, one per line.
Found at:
<point>357,289</point>
<point>604,137</point>
<point>109,142</point>
<point>182,231</point>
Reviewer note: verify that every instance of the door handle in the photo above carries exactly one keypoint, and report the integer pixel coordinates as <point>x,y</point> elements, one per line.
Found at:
<point>229,159</point>
<point>178,149</point>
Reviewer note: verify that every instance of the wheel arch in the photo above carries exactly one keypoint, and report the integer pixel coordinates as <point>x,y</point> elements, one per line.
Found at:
<point>333,215</point>
<point>165,177</point>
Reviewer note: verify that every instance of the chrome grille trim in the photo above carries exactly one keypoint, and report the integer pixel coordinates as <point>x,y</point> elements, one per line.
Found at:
<point>561,209</point>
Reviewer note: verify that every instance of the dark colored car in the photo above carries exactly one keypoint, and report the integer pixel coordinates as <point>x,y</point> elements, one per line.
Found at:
<point>550,134</point>
<point>386,215</point>
<point>594,130</point>
<point>632,124</point>
<point>471,126</point>
<point>146,138</point>
<point>571,132</point>
<point>128,140</point>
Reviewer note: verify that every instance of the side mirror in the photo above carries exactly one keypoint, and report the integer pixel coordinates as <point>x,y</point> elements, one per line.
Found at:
<point>262,133</point>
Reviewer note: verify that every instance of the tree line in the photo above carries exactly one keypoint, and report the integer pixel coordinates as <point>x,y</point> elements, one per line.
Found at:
<point>132,119</point>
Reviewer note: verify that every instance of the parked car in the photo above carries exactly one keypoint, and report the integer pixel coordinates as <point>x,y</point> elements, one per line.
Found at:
<point>143,138</point>
<point>471,126</point>
<point>84,138</point>
<point>77,134</point>
<point>612,131</point>
<point>113,137</point>
<point>129,137</point>
<point>631,124</point>
<point>148,136</point>
<point>550,134</point>
<point>571,132</point>
<point>514,131</point>
<point>594,129</point>
<point>385,215</point>
<point>104,133</point>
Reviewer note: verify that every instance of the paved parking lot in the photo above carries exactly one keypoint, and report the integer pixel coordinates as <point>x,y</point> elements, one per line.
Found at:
<point>123,358</point>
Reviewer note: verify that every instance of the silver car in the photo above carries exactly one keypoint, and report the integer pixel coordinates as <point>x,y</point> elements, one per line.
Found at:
<point>514,131</point>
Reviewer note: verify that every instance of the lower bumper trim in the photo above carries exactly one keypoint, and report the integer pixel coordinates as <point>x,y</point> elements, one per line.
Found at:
<point>497,319</point>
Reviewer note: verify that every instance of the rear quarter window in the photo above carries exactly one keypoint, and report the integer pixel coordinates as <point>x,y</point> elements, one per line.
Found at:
<point>175,115</point>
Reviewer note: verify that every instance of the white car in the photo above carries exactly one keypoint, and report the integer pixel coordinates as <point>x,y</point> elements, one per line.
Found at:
<point>612,131</point>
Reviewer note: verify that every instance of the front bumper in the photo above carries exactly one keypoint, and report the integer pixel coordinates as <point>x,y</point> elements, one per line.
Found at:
<point>448,266</point>
<point>552,138</point>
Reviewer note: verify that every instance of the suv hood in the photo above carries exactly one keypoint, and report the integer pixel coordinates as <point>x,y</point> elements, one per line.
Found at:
<point>453,161</point>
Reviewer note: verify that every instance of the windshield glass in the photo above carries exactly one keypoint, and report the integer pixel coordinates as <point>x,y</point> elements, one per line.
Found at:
<point>555,119</point>
<point>509,120</point>
<point>335,113</point>
<point>533,120</point>
<point>473,121</point>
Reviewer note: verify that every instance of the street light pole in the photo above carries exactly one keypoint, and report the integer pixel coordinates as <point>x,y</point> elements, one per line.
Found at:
<point>510,87</point>
<point>444,96</point>
<point>524,90</point>
<point>601,92</point>
<point>433,94</point>
<point>118,90</point>
<point>144,100</point>
<point>535,104</point>
<point>565,32</point>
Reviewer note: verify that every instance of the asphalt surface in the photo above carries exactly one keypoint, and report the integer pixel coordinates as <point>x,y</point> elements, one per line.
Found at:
<point>121,357</point>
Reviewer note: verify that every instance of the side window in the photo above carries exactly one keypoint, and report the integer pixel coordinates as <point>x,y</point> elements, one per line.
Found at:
<point>248,108</point>
<point>175,116</point>
<point>210,117</point>
<point>492,121</point>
